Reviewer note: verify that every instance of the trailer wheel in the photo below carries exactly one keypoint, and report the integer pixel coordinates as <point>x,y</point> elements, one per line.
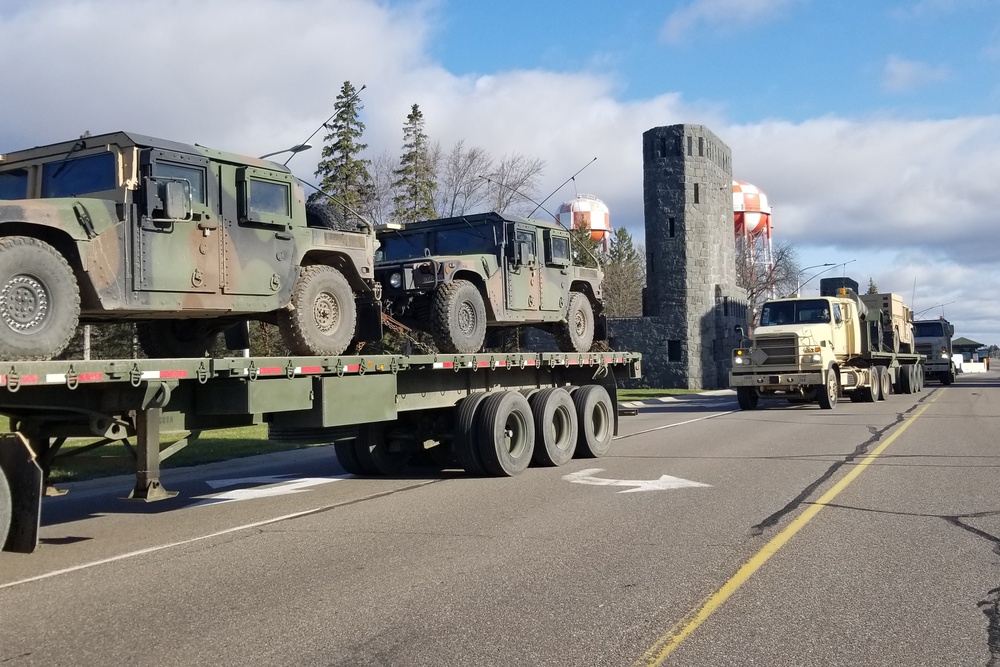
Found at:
<point>595,414</point>
<point>458,318</point>
<point>828,397</point>
<point>884,382</point>
<point>324,314</point>
<point>5,508</point>
<point>506,433</point>
<point>906,379</point>
<point>347,457</point>
<point>375,453</point>
<point>919,370</point>
<point>464,442</point>
<point>576,334</point>
<point>556,428</point>
<point>39,300</point>
<point>747,398</point>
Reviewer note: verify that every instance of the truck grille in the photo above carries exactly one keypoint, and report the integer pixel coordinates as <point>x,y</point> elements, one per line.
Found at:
<point>780,350</point>
<point>923,348</point>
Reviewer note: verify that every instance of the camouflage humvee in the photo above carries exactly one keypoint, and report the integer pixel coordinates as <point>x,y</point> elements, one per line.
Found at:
<point>455,277</point>
<point>186,240</point>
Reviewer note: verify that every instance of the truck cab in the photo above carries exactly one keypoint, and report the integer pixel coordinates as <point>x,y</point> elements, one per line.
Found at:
<point>933,339</point>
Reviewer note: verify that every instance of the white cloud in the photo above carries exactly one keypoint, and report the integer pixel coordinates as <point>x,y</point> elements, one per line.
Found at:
<point>910,200</point>
<point>901,76</point>
<point>726,14</point>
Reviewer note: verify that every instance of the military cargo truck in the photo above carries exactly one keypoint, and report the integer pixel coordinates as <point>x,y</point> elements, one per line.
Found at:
<point>933,339</point>
<point>187,241</point>
<point>817,349</point>
<point>458,277</point>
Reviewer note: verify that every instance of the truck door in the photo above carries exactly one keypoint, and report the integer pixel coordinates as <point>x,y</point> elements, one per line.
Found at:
<point>555,271</point>
<point>258,243</point>
<point>173,252</point>
<point>523,286</point>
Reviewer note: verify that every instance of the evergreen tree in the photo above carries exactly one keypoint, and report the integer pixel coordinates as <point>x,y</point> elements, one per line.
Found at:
<point>872,287</point>
<point>415,182</point>
<point>624,276</point>
<point>585,248</point>
<point>344,175</point>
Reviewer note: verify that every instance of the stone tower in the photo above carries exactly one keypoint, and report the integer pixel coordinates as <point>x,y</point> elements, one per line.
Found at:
<point>691,295</point>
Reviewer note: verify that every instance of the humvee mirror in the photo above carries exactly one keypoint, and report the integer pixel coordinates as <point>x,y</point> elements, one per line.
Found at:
<point>176,199</point>
<point>522,253</point>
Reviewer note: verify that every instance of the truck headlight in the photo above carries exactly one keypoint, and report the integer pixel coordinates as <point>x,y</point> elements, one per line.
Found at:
<point>396,280</point>
<point>812,358</point>
<point>738,361</point>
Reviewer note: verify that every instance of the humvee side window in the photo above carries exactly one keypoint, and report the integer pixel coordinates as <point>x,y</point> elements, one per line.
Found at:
<point>267,198</point>
<point>79,176</point>
<point>462,241</point>
<point>193,175</point>
<point>14,184</point>
<point>560,250</point>
<point>523,236</point>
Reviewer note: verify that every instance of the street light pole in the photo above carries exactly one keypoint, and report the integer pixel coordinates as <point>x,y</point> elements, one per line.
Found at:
<point>798,276</point>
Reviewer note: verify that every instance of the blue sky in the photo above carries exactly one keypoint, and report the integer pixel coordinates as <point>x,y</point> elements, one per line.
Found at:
<point>871,125</point>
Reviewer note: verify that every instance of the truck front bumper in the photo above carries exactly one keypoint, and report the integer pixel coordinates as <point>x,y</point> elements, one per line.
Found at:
<point>776,381</point>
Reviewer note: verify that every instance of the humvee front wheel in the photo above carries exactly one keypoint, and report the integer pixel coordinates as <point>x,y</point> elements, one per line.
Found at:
<point>324,314</point>
<point>576,334</point>
<point>39,300</point>
<point>458,318</point>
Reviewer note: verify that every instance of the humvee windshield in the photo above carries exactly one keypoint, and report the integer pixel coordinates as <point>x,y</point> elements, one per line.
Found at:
<point>928,330</point>
<point>813,311</point>
<point>451,240</point>
<point>79,176</point>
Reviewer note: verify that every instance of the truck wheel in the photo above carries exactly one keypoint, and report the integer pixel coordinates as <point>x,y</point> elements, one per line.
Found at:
<point>556,429</point>
<point>39,300</point>
<point>595,415</point>
<point>747,398</point>
<point>947,377</point>
<point>869,393</point>
<point>885,383</point>
<point>324,314</point>
<point>506,433</point>
<point>458,318</point>
<point>374,450</point>
<point>464,442</point>
<point>828,397</point>
<point>6,504</point>
<point>171,339</point>
<point>919,370</point>
<point>905,379</point>
<point>576,334</point>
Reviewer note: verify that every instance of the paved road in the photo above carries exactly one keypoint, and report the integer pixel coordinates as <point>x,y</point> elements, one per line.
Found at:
<point>867,535</point>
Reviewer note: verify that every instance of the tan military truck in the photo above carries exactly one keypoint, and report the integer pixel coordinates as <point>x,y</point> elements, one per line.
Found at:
<point>819,349</point>
<point>896,323</point>
<point>457,277</point>
<point>185,240</point>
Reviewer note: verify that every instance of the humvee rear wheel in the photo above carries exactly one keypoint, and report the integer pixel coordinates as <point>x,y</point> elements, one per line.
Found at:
<point>324,314</point>
<point>39,300</point>
<point>169,339</point>
<point>577,333</point>
<point>458,318</point>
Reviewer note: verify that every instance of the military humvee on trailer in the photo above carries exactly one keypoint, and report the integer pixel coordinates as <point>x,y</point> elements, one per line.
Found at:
<point>186,240</point>
<point>455,277</point>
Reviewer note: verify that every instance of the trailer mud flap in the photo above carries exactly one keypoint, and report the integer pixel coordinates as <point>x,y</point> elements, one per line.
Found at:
<point>25,478</point>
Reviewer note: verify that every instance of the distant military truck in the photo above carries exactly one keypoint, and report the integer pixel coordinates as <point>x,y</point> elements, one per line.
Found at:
<point>457,277</point>
<point>185,240</point>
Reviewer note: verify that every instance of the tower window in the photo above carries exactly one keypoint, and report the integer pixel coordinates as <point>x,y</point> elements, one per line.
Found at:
<point>690,145</point>
<point>697,197</point>
<point>701,146</point>
<point>673,350</point>
<point>663,147</point>
<point>670,227</point>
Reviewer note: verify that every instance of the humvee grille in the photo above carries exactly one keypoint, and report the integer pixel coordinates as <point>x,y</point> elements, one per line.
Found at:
<point>590,274</point>
<point>344,240</point>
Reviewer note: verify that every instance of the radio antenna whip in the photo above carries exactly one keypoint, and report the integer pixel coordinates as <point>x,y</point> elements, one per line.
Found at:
<point>324,123</point>
<point>560,187</point>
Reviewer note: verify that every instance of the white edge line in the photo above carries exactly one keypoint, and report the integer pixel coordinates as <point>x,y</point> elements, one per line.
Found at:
<point>660,428</point>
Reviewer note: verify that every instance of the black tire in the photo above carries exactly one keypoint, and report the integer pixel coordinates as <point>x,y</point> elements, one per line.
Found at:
<point>947,377</point>
<point>347,456</point>
<point>325,216</point>
<point>856,396</point>
<point>595,415</point>
<point>506,433</point>
<point>324,314</point>
<point>576,334</point>
<point>830,392</point>
<point>905,379</point>
<point>919,371</point>
<point>885,383</point>
<point>556,427</point>
<point>458,318</point>
<point>891,340</point>
<point>464,442</point>
<point>172,339</point>
<point>39,300</point>
<point>375,453</point>
<point>6,504</point>
<point>747,398</point>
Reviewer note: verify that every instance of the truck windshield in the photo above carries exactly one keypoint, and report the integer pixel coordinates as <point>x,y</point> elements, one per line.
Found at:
<point>928,330</point>
<point>456,240</point>
<point>814,311</point>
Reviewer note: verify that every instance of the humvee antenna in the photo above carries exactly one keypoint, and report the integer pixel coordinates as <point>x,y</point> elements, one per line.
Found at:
<point>573,177</point>
<point>521,194</point>
<point>324,124</point>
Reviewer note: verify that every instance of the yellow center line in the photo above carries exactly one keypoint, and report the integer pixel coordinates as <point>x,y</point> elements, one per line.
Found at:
<point>666,644</point>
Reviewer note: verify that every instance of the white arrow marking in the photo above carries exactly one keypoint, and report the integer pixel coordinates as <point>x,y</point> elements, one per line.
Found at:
<point>665,482</point>
<point>283,489</point>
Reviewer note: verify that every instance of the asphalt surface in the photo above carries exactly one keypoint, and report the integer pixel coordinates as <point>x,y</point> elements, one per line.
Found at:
<point>866,535</point>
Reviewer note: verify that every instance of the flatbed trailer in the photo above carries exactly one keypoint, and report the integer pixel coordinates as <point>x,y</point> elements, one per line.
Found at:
<point>491,413</point>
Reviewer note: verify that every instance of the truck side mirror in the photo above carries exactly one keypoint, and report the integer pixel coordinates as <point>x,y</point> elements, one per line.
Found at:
<point>176,198</point>
<point>522,252</point>
<point>739,331</point>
